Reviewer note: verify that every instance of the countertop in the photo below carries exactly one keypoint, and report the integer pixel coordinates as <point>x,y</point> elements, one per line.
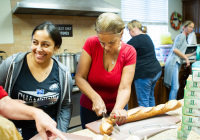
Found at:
<point>165,135</point>
<point>162,64</point>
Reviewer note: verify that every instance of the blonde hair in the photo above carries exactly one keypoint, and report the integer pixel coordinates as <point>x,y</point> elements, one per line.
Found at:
<point>109,23</point>
<point>186,23</point>
<point>136,23</point>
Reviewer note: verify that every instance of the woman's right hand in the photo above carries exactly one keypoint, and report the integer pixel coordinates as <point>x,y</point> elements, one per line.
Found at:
<point>98,106</point>
<point>187,62</point>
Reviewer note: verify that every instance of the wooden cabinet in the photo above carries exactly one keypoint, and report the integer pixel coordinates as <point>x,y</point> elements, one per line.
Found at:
<point>161,93</point>
<point>133,99</point>
<point>191,11</point>
<point>183,75</point>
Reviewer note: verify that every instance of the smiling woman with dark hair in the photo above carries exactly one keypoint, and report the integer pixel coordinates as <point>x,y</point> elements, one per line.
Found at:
<point>36,75</point>
<point>53,32</point>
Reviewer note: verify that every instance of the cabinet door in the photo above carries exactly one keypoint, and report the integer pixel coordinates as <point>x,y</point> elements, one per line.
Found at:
<point>191,12</point>
<point>161,93</point>
<point>183,75</point>
<point>133,99</point>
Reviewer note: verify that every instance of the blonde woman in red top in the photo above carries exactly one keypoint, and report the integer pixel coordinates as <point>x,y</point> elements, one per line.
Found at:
<point>105,71</point>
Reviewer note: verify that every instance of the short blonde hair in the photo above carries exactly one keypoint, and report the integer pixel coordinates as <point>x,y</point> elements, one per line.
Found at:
<point>136,23</point>
<point>186,23</point>
<point>109,23</point>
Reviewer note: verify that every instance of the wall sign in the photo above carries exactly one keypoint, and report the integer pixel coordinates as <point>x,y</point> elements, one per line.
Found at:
<point>65,30</point>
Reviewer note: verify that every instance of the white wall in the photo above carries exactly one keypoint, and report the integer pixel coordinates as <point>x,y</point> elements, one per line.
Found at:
<point>174,6</point>
<point>116,3</point>
<point>6,27</point>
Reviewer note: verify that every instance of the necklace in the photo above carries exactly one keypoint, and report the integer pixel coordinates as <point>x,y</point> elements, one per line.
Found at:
<point>47,71</point>
<point>35,69</point>
<point>113,61</point>
<point>43,74</point>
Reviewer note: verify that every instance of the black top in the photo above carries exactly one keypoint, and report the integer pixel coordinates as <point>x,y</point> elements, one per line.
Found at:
<point>147,65</point>
<point>27,88</point>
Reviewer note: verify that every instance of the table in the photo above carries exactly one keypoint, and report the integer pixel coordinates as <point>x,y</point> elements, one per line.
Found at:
<point>170,134</point>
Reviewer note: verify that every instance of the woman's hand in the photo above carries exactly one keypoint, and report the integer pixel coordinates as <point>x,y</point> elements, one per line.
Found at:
<point>98,106</point>
<point>46,126</point>
<point>120,115</point>
<point>187,62</point>
<point>194,53</point>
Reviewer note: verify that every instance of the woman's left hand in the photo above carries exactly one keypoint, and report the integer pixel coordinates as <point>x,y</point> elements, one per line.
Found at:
<point>119,115</point>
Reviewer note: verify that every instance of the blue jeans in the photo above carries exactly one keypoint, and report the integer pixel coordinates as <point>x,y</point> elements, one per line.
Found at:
<point>175,83</point>
<point>145,90</point>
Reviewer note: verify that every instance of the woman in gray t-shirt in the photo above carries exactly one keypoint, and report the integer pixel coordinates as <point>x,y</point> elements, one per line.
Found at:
<point>174,60</point>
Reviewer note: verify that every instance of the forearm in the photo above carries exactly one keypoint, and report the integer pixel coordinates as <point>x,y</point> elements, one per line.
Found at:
<point>124,90</point>
<point>122,98</point>
<point>12,109</point>
<point>191,54</point>
<point>177,52</point>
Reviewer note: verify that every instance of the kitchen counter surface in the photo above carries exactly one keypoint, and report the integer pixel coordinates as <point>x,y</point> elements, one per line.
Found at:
<point>165,135</point>
<point>162,64</point>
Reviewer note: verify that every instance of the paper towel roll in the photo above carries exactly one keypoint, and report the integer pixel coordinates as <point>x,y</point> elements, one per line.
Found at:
<point>192,38</point>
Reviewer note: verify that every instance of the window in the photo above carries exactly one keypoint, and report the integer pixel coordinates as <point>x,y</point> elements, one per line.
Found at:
<point>151,13</point>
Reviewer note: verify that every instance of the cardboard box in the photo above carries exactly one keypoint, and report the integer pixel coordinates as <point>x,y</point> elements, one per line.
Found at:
<point>192,94</point>
<point>196,75</point>
<point>191,111</point>
<point>181,135</point>
<point>191,103</point>
<point>191,85</point>
<point>196,71</point>
<point>187,128</point>
<point>191,120</point>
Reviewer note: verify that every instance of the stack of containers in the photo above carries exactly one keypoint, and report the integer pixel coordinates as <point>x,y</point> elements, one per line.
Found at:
<point>191,108</point>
